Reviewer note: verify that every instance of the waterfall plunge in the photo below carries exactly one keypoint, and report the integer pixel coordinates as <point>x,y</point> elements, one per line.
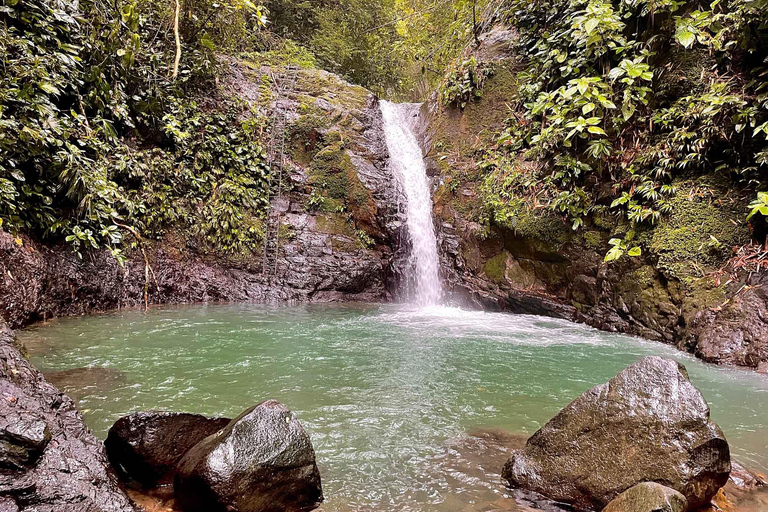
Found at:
<point>407,163</point>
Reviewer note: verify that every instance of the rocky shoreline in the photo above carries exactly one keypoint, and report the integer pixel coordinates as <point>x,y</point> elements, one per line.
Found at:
<point>336,243</point>
<point>49,460</point>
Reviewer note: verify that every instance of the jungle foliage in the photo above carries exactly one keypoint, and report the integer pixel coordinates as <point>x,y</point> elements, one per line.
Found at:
<point>619,99</point>
<point>96,134</point>
<point>397,48</point>
<point>101,137</point>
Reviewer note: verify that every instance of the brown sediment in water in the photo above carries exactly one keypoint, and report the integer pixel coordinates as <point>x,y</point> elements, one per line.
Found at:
<point>152,501</point>
<point>80,382</point>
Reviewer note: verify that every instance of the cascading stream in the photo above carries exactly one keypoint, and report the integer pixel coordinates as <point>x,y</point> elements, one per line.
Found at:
<point>407,163</point>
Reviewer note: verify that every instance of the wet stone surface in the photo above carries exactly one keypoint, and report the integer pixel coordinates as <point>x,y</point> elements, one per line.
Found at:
<point>145,447</point>
<point>263,461</point>
<point>649,423</point>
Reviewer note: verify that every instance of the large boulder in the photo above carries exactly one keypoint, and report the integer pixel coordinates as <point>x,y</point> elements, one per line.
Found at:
<point>648,497</point>
<point>263,461</point>
<point>647,424</point>
<point>146,446</point>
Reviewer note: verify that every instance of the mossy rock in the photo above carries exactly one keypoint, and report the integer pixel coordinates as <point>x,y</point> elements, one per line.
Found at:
<point>496,268</point>
<point>689,72</point>
<point>595,240</point>
<point>701,294</point>
<point>683,241</point>
<point>335,224</point>
<point>344,244</point>
<point>522,273</point>
<point>604,222</point>
<point>336,91</point>
<point>484,117</point>
<point>332,171</point>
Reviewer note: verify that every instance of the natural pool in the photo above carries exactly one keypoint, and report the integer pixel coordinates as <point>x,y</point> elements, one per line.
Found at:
<point>405,406</point>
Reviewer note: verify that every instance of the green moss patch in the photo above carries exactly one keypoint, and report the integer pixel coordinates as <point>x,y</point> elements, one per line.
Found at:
<point>332,172</point>
<point>496,268</point>
<point>335,224</point>
<point>697,234</point>
<point>594,240</point>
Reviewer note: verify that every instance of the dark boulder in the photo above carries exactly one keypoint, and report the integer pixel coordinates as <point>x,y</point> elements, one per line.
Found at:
<point>648,497</point>
<point>263,461</point>
<point>146,446</point>
<point>49,461</point>
<point>647,424</point>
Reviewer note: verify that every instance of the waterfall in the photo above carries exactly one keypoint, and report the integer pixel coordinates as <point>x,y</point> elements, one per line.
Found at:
<point>407,164</point>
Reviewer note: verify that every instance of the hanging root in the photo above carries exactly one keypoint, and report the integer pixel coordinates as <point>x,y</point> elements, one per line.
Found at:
<point>178,41</point>
<point>147,267</point>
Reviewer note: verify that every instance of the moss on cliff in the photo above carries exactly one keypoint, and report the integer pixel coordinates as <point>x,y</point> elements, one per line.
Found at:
<point>333,172</point>
<point>542,225</point>
<point>335,224</point>
<point>333,89</point>
<point>594,240</point>
<point>704,224</point>
<point>496,268</point>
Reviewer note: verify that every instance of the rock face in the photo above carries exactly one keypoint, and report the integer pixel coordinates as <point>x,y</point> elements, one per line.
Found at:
<point>263,461</point>
<point>49,461</point>
<point>647,424</point>
<point>737,333</point>
<point>146,446</point>
<point>648,497</point>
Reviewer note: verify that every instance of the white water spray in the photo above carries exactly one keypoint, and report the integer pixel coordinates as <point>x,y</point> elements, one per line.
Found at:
<point>407,163</point>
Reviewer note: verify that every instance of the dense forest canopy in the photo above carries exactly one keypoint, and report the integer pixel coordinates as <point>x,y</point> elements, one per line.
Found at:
<point>104,132</point>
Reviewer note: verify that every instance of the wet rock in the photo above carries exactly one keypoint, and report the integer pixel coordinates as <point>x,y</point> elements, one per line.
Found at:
<point>737,333</point>
<point>23,438</point>
<point>648,497</point>
<point>744,479</point>
<point>263,461</point>
<point>8,505</point>
<point>49,461</point>
<point>145,447</point>
<point>649,423</point>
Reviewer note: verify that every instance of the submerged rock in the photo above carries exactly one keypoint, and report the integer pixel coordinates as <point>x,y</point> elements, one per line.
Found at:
<point>145,447</point>
<point>81,382</point>
<point>649,423</point>
<point>263,461</point>
<point>49,461</point>
<point>648,497</point>
<point>744,479</point>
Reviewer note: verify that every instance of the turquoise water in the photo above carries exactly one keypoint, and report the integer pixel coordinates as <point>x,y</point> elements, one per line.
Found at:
<point>404,406</point>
